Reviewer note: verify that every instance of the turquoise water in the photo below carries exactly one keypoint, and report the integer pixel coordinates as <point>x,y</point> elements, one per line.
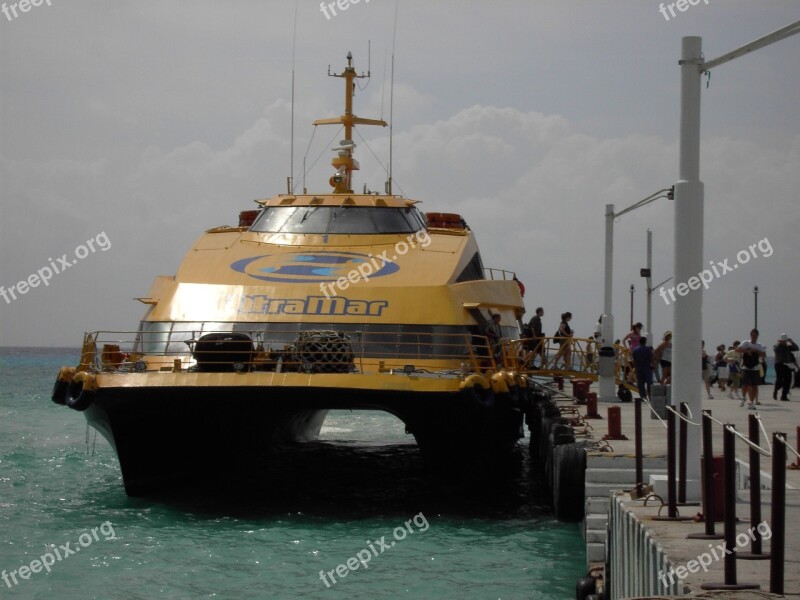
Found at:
<point>327,504</point>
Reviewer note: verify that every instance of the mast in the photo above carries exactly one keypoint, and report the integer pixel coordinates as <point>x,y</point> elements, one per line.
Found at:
<point>344,163</point>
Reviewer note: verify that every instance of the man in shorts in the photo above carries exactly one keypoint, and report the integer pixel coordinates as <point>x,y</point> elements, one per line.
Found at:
<point>751,352</point>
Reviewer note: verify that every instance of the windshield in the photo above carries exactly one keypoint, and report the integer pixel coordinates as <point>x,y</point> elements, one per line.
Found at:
<point>338,219</point>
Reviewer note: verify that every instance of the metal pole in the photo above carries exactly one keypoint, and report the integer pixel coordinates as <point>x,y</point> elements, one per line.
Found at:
<point>672,509</point>
<point>708,482</point>
<point>755,320</point>
<point>606,381</point>
<point>637,420</point>
<point>650,283</point>
<point>688,322</point>
<point>632,291</point>
<point>609,266</point>
<point>682,455</point>
<point>778,541</point>
<point>729,483</point>
<point>754,434</point>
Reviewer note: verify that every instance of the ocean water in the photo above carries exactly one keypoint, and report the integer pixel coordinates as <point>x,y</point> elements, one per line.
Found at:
<point>363,484</point>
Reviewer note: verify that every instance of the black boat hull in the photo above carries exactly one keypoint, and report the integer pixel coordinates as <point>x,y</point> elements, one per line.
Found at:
<point>179,436</point>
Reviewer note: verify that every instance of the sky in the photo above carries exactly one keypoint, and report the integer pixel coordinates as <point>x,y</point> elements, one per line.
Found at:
<point>137,126</point>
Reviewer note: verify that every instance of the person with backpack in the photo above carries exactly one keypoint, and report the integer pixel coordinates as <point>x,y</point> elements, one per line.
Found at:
<point>785,365</point>
<point>751,352</point>
<point>537,337</point>
<point>563,337</point>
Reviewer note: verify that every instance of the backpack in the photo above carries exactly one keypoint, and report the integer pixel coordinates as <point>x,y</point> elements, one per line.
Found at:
<point>750,361</point>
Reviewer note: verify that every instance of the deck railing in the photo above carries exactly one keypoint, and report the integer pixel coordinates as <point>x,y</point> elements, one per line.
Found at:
<point>315,351</point>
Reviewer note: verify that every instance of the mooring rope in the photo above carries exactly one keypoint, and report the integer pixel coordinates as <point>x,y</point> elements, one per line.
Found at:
<point>743,438</point>
<point>788,446</point>
<point>680,415</point>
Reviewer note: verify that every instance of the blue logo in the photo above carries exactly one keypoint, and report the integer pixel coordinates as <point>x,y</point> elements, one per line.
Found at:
<point>316,267</point>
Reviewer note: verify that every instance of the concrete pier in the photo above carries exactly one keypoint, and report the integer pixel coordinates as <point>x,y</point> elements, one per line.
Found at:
<point>641,553</point>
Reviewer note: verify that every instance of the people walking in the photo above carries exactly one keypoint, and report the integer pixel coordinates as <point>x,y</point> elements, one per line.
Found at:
<point>751,352</point>
<point>721,367</point>
<point>785,366</point>
<point>564,340</point>
<point>663,354</point>
<point>494,335</point>
<point>643,363</point>
<point>734,360</point>
<point>537,337</point>
<point>707,371</point>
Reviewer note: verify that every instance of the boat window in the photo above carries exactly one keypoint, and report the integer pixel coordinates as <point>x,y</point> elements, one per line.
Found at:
<point>473,271</point>
<point>338,219</point>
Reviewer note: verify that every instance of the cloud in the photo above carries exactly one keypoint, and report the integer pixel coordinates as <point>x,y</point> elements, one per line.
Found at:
<point>532,188</point>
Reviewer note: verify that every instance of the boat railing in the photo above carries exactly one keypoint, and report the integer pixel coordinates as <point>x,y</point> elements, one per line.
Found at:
<point>312,351</point>
<point>495,274</point>
<point>570,356</point>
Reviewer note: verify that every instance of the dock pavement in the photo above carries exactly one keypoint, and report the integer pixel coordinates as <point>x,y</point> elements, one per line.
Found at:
<point>775,416</point>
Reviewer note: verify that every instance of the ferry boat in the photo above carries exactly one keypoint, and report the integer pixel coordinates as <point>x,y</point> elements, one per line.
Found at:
<point>314,302</point>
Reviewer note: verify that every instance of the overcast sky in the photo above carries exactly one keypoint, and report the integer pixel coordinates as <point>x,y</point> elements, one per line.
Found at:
<point>151,121</point>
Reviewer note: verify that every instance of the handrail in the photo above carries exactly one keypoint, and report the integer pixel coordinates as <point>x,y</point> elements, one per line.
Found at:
<point>374,351</point>
<point>506,275</point>
<point>578,357</point>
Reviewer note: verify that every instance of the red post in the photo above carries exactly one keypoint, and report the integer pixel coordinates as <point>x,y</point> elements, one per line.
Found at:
<point>614,424</point>
<point>591,406</point>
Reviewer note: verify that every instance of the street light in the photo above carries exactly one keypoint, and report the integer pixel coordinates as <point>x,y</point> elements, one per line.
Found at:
<point>647,273</point>
<point>606,380</point>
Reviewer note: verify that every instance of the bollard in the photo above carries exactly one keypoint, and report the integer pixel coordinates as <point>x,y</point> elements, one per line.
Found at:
<point>708,483</point>
<point>591,406</point>
<point>614,424</point>
<point>729,452</point>
<point>682,455</point>
<point>580,388</point>
<point>754,435</point>
<point>778,541</point>
<point>560,381</point>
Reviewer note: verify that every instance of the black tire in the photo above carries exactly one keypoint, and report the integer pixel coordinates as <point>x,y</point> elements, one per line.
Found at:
<point>59,395</point>
<point>78,398</point>
<point>569,466</point>
<point>585,587</point>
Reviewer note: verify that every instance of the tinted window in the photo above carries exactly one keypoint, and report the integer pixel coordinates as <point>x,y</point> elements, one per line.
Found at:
<point>338,219</point>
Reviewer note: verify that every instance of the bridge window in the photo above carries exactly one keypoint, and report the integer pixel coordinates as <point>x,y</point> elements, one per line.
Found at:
<point>338,219</point>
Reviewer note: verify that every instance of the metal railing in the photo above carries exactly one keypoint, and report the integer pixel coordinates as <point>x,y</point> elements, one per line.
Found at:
<point>317,351</point>
<point>570,356</point>
<point>498,274</point>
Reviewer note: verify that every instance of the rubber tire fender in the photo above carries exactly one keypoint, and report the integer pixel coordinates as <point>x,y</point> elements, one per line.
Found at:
<point>569,466</point>
<point>59,395</point>
<point>78,398</point>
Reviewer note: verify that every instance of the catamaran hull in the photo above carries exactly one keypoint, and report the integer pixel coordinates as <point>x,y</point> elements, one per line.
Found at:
<point>188,436</point>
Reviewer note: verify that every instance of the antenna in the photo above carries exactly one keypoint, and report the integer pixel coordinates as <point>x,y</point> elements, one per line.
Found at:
<point>344,163</point>
<point>291,150</point>
<point>391,101</point>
